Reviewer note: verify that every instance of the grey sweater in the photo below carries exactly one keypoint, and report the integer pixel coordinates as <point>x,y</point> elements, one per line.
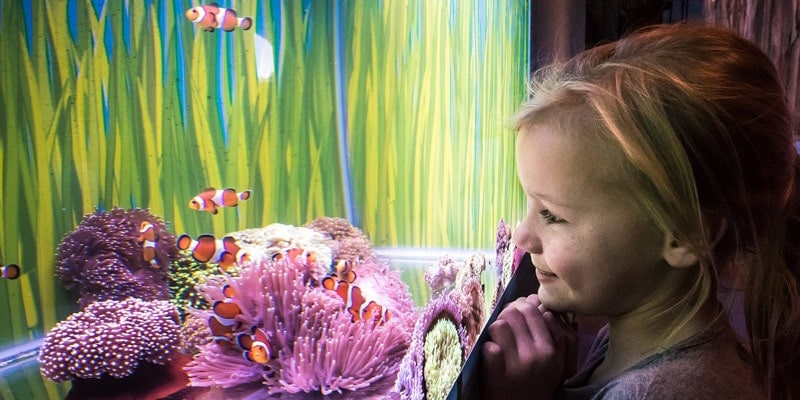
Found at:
<point>712,365</point>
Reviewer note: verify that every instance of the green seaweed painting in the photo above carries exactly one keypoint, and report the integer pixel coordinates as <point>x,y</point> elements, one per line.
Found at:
<point>390,114</point>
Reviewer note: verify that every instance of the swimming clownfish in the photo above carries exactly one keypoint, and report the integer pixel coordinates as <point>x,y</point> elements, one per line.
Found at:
<point>355,303</point>
<point>212,199</point>
<point>211,16</point>
<point>148,239</point>
<point>11,271</point>
<point>207,248</point>
<point>255,345</point>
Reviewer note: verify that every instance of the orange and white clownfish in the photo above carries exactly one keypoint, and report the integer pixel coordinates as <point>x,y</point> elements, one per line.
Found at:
<point>354,301</point>
<point>148,239</point>
<point>293,253</point>
<point>221,330</point>
<point>11,271</point>
<point>343,271</point>
<point>255,345</point>
<point>211,16</point>
<point>207,248</point>
<point>212,199</point>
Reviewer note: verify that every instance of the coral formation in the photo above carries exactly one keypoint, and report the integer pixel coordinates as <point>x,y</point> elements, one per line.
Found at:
<point>110,338</point>
<point>105,258</point>
<point>442,275</point>
<point>184,275</point>
<point>315,347</point>
<point>347,242</point>
<point>504,260</point>
<point>440,316</point>
<point>446,331</point>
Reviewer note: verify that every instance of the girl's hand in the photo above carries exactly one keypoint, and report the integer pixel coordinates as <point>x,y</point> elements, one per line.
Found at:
<point>530,353</point>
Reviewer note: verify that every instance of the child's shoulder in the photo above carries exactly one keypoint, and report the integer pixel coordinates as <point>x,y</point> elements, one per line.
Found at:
<point>711,365</point>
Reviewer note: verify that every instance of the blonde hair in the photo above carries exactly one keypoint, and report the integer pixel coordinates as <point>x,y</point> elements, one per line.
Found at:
<point>703,133</point>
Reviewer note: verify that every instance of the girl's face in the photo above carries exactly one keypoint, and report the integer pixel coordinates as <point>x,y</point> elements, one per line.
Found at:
<point>595,253</point>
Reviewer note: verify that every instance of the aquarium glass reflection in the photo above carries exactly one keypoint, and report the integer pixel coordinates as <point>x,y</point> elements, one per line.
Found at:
<point>292,190</point>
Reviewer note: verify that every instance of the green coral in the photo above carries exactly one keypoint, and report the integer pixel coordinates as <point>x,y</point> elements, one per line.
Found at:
<point>442,358</point>
<point>185,273</point>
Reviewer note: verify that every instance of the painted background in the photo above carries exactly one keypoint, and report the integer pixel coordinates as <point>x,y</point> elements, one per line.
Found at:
<point>388,113</point>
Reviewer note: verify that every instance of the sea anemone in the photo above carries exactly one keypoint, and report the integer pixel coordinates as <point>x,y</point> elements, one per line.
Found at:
<point>110,338</point>
<point>104,258</point>
<point>276,239</point>
<point>437,351</point>
<point>316,347</point>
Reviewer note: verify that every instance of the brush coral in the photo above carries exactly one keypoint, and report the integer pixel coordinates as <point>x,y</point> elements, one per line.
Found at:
<point>110,338</point>
<point>313,345</point>
<point>104,258</point>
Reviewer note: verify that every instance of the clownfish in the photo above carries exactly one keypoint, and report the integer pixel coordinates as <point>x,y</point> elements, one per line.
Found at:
<point>343,270</point>
<point>223,323</point>
<point>221,330</point>
<point>293,253</point>
<point>255,345</point>
<point>148,239</point>
<point>211,16</point>
<point>207,248</point>
<point>11,271</point>
<point>212,199</point>
<point>354,301</point>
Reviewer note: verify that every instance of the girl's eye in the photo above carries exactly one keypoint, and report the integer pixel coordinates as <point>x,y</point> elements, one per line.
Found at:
<point>549,218</point>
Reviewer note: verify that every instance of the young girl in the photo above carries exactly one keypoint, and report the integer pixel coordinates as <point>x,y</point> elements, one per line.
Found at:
<point>659,170</point>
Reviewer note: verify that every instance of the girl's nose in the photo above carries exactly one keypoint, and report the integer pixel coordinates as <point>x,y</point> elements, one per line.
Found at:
<point>525,237</point>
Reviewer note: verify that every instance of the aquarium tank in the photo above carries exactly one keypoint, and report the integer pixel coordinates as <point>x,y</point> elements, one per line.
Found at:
<point>253,199</point>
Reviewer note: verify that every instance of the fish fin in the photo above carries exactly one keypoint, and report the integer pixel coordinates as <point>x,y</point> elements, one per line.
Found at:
<point>184,241</point>
<point>259,335</point>
<point>329,283</point>
<point>244,340</point>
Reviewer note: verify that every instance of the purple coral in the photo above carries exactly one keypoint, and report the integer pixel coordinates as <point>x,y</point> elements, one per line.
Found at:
<point>318,349</point>
<point>103,258</point>
<point>414,379</point>
<point>110,338</point>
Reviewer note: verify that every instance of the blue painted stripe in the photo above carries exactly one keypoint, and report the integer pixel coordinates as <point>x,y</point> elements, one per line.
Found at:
<point>341,117</point>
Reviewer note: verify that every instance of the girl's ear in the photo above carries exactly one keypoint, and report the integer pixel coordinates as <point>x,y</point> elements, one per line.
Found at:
<point>678,255</point>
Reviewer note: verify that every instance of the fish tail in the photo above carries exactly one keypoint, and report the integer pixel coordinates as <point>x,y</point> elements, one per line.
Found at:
<point>244,195</point>
<point>245,23</point>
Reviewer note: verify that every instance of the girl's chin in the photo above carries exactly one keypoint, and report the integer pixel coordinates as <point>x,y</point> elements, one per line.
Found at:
<point>552,301</point>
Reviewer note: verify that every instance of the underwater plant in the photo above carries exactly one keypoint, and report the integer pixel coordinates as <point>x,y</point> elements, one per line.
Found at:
<point>110,339</point>
<point>295,336</point>
<point>112,255</point>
